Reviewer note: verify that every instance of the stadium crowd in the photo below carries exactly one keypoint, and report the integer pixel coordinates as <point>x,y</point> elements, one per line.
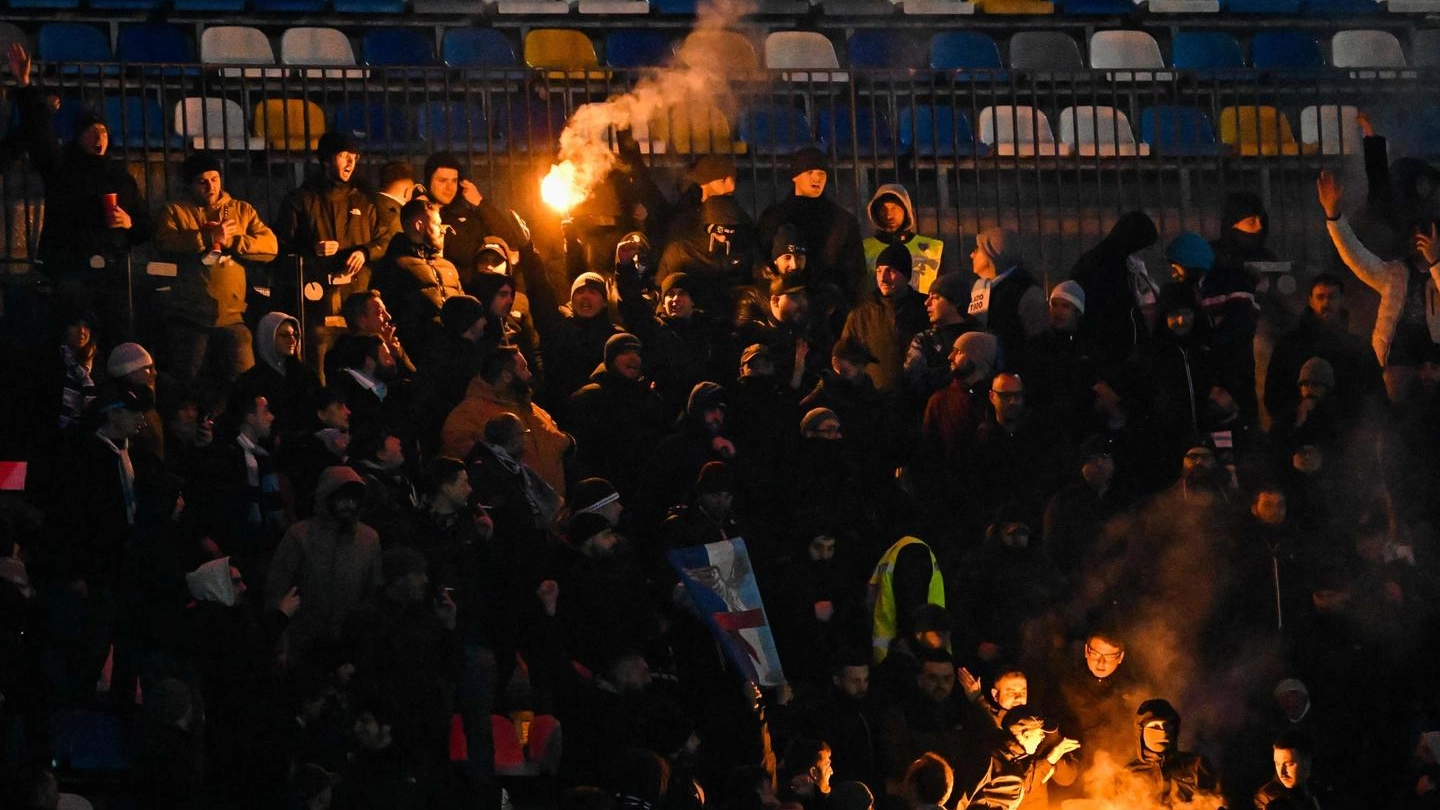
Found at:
<point>391,531</point>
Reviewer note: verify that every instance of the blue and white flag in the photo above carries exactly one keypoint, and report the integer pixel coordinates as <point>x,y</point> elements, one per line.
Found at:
<point>721,583</point>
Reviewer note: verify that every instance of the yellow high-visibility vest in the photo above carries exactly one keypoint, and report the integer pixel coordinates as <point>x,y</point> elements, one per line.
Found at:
<point>883,626</point>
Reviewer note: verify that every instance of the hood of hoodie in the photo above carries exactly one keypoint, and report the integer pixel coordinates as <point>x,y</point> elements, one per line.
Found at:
<point>211,583</point>
<point>907,230</point>
<point>1133,232</point>
<point>265,338</point>
<point>332,479</point>
<point>1156,710</point>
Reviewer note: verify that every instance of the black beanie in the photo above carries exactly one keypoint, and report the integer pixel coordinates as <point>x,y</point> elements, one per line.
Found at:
<point>197,164</point>
<point>787,240</point>
<point>460,313</point>
<point>808,159</point>
<point>619,344</point>
<point>333,143</point>
<point>898,257</point>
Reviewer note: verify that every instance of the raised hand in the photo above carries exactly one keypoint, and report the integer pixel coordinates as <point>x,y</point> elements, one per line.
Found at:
<point>1330,192</point>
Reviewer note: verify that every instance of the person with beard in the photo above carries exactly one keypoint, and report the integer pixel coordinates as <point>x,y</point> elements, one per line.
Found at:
<point>814,603</point>
<point>701,437</point>
<point>332,558</point>
<point>1226,300</point>
<point>708,515</point>
<point>1165,774</point>
<point>455,359</point>
<point>1005,583</point>
<point>892,215</point>
<point>1322,332</point>
<point>617,418</point>
<point>415,277</point>
<point>335,229</point>
<point>212,237</point>
<point>927,364</point>
<point>95,214</point>
<point>833,233</point>
<point>279,375</point>
<point>954,412</point>
<point>885,321</point>
<point>1316,414</point>
<point>788,328</point>
<point>503,386</point>
<point>847,718</point>
<point>236,492</point>
<point>1119,294</point>
<point>930,717</point>
<point>1005,299</point>
<point>392,498</point>
<point>715,244</point>
<point>368,381</point>
<point>1407,324</point>
<point>575,338</point>
<point>518,501</point>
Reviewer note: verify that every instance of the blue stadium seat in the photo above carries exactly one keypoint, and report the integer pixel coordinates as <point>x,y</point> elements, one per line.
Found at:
<point>637,48</point>
<point>55,4</point>
<point>454,125</point>
<point>156,43</point>
<point>774,129</point>
<point>871,134</point>
<point>681,7</point>
<point>387,47</point>
<point>964,50</point>
<point>1271,7</point>
<point>937,131</point>
<point>1285,50</point>
<point>210,5</point>
<point>1091,8</point>
<point>289,6</point>
<point>137,122</point>
<point>1339,8</point>
<point>73,42</point>
<point>369,6</point>
<point>531,124</point>
<point>885,49</point>
<point>477,48</point>
<point>1178,131</point>
<point>1206,50</point>
<point>126,5</point>
<point>377,124</point>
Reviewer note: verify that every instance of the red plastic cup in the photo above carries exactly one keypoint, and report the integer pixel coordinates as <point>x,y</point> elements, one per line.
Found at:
<point>111,202</point>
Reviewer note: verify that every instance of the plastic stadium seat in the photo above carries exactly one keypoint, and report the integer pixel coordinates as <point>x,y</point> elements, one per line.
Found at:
<point>1206,50</point>
<point>1025,7</point>
<point>1183,7</point>
<point>454,125</point>
<point>1366,49</point>
<point>936,131</point>
<point>325,52</point>
<point>209,5</point>
<point>949,7</point>
<point>397,47</point>
<point>137,122</point>
<point>696,129</point>
<point>379,125</point>
<point>1178,131</point>
<point>1330,130</point>
<point>1339,8</point>
<point>1425,48</point>
<point>529,124</point>
<point>885,49</point>
<point>288,124</point>
<point>1082,8</point>
<point>1257,130</point>
<point>53,4</point>
<point>238,45</point>
<point>637,48</point>
<point>1268,7</point>
<point>477,48</point>
<point>72,42</point>
<point>288,6</point>
<point>809,53</point>
<point>532,7</point>
<point>1285,50</point>
<point>774,129</point>
<point>858,8</point>
<point>1054,51</point>
<point>1127,49</point>
<point>964,50</point>
<point>126,5</point>
<point>369,6</point>
<point>1412,6</point>
<point>214,123</point>
<point>871,133</point>
<point>1099,131</point>
<point>155,43</point>
<point>1020,131</point>
<point>679,7</point>
<point>730,51</point>
<point>613,7</point>
<point>565,51</point>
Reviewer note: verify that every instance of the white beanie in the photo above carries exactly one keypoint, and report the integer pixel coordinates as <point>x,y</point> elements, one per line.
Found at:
<point>1072,292</point>
<point>127,357</point>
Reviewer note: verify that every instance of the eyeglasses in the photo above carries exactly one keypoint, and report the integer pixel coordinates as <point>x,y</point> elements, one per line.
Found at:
<point>1091,652</point>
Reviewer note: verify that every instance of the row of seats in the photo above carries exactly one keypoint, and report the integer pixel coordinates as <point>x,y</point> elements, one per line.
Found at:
<point>1328,9</point>
<point>925,130</point>
<point>809,51</point>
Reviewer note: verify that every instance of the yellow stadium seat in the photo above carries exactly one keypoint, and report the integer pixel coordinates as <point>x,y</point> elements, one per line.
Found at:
<point>290,124</point>
<point>1014,7</point>
<point>1257,130</point>
<point>730,51</point>
<point>697,129</point>
<point>564,52</point>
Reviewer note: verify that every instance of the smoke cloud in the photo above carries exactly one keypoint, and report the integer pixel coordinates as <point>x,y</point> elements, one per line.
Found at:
<point>695,81</point>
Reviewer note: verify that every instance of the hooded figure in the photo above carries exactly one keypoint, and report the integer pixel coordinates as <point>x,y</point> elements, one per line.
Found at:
<point>1118,287</point>
<point>331,557</point>
<point>715,245</point>
<point>1166,774</point>
<point>1246,226</point>
<point>283,378</point>
<point>892,215</point>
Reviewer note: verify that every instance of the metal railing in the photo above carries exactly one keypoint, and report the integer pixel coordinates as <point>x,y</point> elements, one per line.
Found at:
<point>972,147</point>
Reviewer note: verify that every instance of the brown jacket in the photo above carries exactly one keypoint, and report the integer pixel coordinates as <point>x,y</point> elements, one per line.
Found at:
<point>212,295</point>
<point>545,443</point>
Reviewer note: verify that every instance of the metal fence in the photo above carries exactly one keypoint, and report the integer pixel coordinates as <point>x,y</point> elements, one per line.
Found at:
<point>1055,156</point>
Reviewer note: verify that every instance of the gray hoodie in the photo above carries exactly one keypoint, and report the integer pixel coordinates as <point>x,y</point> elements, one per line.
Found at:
<point>265,339</point>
